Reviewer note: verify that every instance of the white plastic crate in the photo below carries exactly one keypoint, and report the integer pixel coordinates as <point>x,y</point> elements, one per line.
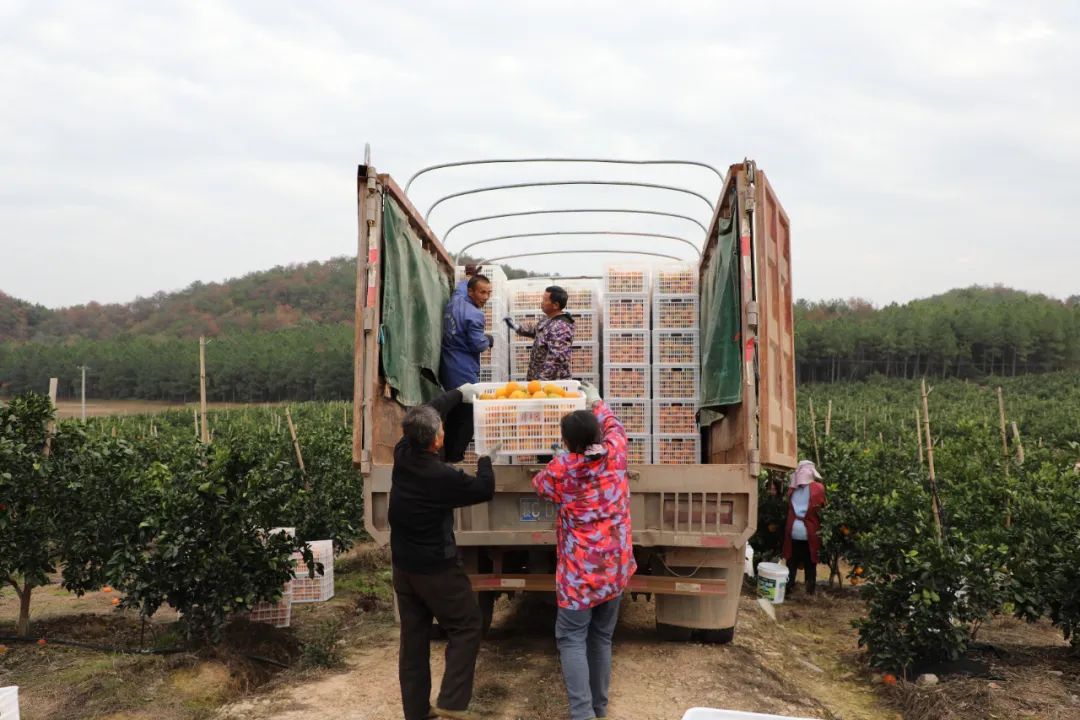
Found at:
<point>626,313</point>
<point>581,295</point>
<point>675,313</point>
<point>676,347</point>
<point>470,457</point>
<point>675,279</point>
<point>675,382</point>
<point>674,418</point>
<point>493,374</point>
<point>9,703</point>
<point>638,449</point>
<point>626,279</point>
<point>320,588</point>
<point>584,360</point>
<point>278,614</point>
<point>676,449</point>
<point>526,297</point>
<point>633,414</point>
<point>626,346</point>
<point>523,426</point>
<point>585,329</point>
<point>494,311</point>
<point>626,382</point>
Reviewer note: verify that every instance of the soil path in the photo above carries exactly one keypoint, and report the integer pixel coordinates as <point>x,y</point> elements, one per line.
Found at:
<point>770,668</point>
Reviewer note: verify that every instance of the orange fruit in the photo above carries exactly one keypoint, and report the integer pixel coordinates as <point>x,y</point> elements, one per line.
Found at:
<point>512,387</point>
<point>3,649</point>
<point>534,387</point>
<point>844,530</point>
<point>518,395</point>
<point>553,389</point>
<point>501,393</point>
<point>41,641</point>
<point>116,601</point>
<point>858,570</point>
<point>888,679</point>
<point>553,395</point>
<point>487,396</point>
<point>539,394</point>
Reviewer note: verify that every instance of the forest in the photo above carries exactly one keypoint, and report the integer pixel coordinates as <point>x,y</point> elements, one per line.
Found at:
<point>286,334</point>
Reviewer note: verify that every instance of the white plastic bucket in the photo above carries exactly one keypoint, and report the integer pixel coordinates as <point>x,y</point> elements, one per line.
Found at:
<point>700,713</point>
<point>772,581</point>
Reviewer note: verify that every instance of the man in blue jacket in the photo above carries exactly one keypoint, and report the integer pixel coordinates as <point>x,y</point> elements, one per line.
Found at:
<point>462,342</point>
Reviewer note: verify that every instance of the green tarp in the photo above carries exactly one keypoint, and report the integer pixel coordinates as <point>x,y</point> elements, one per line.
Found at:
<point>721,365</point>
<point>415,291</point>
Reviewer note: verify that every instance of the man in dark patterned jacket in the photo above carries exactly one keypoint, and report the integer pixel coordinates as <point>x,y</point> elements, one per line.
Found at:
<point>554,335</point>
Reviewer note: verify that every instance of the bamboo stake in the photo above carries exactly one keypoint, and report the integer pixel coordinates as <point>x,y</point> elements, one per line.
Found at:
<point>1019,445</point>
<point>51,426</point>
<point>935,500</point>
<point>828,420</point>
<point>195,414</point>
<point>205,436</point>
<point>918,435</point>
<point>296,444</point>
<point>1004,439</point>
<point>813,433</point>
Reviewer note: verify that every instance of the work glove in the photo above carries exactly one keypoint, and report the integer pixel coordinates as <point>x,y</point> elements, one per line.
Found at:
<point>491,340</point>
<point>591,392</point>
<point>511,324</point>
<point>469,391</point>
<point>493,451</point>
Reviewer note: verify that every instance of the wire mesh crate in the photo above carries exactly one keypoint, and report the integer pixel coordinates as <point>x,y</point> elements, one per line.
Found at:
<point>524,426</point>
<point>620,279</point>
<point>676,449</point>
<point>675,382</point>
<point>278,614</point>
<point>673,417</point>
<point>626,313</point>
<point>626,346</point>
<point>675,279</point>
<point>320,588</point>
<point>584,359</point>
<point>638,449</point>
<point>676,347</point>
<point>633,414</point>
<point>626,382</point>
<point>675,313</point>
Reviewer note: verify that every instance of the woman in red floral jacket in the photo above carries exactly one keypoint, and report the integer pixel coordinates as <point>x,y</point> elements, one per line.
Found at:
<point>595,549</point>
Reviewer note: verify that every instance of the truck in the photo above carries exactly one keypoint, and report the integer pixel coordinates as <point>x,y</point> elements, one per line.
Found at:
<point>690,523</point>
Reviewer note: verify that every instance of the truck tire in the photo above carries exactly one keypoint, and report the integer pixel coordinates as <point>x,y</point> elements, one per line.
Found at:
<point>720,636</point>
<point>674,633</point>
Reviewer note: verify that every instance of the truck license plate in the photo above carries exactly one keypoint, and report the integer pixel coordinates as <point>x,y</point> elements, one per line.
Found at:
<point>534,509</point>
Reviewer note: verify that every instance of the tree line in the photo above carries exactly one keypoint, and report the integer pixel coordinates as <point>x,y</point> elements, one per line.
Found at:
<point>972,332</point>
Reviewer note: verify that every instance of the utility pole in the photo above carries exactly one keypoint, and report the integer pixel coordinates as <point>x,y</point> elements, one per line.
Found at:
<point>205,436</point>
<point>82,393</point>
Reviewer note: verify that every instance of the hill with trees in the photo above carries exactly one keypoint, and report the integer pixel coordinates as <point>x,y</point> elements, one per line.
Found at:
<point>286,333</point>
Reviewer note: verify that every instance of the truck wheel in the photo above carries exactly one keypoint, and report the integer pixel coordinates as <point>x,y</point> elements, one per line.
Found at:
<point>487,610</point>
<point>674,633</point>
<point>721,636</point>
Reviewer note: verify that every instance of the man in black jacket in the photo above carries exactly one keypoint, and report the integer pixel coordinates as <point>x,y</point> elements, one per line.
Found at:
<point>429,581</point>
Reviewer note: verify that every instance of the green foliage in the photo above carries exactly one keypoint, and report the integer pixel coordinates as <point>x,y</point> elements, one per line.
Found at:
<point>1010,530</point>
<point>165,519</point>
<point>322,646</point>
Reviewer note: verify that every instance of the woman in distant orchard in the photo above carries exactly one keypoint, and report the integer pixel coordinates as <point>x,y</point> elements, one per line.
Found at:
<point>802,540</point>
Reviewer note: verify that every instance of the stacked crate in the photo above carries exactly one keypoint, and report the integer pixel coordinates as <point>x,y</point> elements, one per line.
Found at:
<point>676,366</point>
<point>627,379</point>
<point>583,303</point>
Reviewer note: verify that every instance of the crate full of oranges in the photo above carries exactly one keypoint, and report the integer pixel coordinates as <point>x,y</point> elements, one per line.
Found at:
<point>523,417</point>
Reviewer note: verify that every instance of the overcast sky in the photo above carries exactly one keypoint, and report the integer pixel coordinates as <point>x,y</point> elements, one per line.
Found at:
<point>916,146</point>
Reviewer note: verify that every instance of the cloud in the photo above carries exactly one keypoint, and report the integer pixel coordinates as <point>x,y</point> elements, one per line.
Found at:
<point>915,147</point>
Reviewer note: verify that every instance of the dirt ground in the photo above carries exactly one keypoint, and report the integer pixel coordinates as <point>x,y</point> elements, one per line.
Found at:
<point>805,664</point>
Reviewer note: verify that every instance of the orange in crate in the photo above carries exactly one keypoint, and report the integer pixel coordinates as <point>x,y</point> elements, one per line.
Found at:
<point>626,313</point>
<point>674,418</point>
<point>627,382</point>
<point>675,313</point>
<point>627,347</point>
<point>524,424</point>
<point>626,279</point>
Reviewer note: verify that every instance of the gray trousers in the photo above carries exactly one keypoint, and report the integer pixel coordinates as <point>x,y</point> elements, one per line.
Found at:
<point>584,641</point>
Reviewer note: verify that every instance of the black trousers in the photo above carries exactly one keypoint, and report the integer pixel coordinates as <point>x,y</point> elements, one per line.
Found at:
<point>800,557</point>
<point>459,433</point>
<point>448,597</point>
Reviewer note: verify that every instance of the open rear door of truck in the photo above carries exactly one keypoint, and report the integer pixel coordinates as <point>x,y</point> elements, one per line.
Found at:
<point>775,334</point>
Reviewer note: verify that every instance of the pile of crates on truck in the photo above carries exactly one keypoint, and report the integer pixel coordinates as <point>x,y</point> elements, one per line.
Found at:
<point>627,355</point>
<point>675,365</point>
